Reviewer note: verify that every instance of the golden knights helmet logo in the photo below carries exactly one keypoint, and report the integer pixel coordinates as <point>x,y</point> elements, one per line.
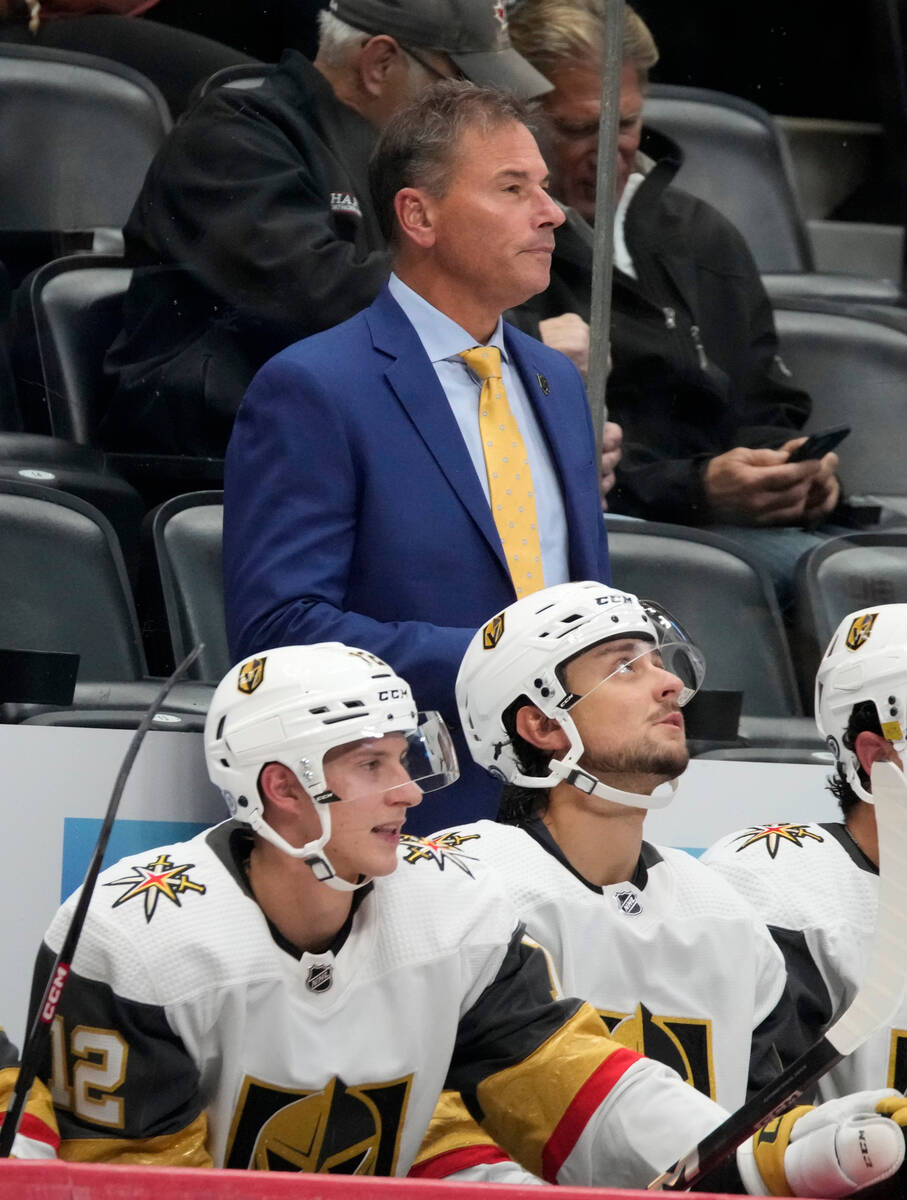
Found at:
<point>251,674</point>
<point>493,632</point>
<point>340,1129</point>
<point>860,629</point>
<point>682,1043</point>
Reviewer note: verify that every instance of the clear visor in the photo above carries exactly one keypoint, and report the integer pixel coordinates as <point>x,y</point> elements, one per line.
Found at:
<point>383,761</point>
<point>617,655</point>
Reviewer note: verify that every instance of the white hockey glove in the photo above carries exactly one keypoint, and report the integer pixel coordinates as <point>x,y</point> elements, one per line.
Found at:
<point>848,1147</point>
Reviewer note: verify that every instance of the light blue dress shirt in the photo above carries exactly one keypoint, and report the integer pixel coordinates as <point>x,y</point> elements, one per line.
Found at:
<point>443,340</point>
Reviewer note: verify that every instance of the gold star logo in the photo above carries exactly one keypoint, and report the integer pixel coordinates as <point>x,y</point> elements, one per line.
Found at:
<point>159,878</point>
<point>773,835</point>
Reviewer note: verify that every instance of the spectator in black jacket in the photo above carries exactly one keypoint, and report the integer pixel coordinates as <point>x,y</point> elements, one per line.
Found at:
<point>708,410</point>
<point>255,226</point>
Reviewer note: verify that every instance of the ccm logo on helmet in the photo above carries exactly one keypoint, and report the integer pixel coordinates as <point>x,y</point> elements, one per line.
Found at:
<point>394,694</point>
<point>614,599</point>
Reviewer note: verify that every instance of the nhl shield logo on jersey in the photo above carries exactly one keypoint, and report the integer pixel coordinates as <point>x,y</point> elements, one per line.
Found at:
<point>860,629</point>
<point>158,878</point>
<point>320,976</point>
<point>493,632</point>
<point>251,674</point>
<point>339,1129</point>
<point>628,902</point>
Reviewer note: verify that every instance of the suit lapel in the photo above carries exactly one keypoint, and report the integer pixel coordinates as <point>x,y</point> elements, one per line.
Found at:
<point>414,382</point>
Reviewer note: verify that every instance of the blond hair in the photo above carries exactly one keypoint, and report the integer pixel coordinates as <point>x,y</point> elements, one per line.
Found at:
<point>548,32</point>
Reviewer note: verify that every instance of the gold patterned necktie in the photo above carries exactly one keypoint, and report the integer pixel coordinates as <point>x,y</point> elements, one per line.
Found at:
<point>509,478</point>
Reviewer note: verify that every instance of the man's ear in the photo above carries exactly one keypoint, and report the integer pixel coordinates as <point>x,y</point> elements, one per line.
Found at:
<point>872,747</point>
<point>281,787</point>
<point>534,727</point>
<point>413,209</point>
<point>379,57</point>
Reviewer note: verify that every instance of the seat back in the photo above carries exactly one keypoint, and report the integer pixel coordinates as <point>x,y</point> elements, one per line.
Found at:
<point>238,75</point>
<point>63,585</point>
<point>856,372</point>
<point>838,577</point>
<point>735,157</point>
<point>75,307</point>
<point>78,134</point>
<point>721,597</point>
<point>187,532</point>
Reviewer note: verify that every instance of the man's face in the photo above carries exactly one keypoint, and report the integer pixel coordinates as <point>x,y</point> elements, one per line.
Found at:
<point>630,724</point>
<point>376,791</point>
<point>574,107</point>
<point>493,229</point>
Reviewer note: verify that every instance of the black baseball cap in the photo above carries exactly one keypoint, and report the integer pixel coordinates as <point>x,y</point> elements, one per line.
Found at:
<point>473,33</point>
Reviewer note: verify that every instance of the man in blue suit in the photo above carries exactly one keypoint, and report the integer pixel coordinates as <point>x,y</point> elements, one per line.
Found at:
<point>360,497</point>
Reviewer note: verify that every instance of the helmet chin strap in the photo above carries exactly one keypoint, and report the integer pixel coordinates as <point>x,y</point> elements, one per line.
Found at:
<point>312,853</point>
<point>590,786</point>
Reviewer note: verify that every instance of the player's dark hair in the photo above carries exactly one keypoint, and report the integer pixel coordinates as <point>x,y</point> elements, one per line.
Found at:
<point>520,804</point>
<point>864,718</point>
<point>418,146</point>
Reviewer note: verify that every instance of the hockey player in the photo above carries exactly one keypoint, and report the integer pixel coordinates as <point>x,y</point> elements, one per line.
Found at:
<point>573,697</point>
<point>37,1136</point>
<point>280,993</point>
<point>816,886</point>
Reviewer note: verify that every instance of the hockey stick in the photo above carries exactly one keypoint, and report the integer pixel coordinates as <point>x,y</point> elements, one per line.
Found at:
<point>873,1006</point>
<point>36,1041</point>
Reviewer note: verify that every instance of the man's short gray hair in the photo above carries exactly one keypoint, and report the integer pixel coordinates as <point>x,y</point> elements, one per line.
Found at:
<point>337,40</point>
<point>554,33</point>
<point>419,145</point>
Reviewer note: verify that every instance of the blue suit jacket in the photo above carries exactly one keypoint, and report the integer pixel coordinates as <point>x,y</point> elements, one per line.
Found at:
<point>353,512</point>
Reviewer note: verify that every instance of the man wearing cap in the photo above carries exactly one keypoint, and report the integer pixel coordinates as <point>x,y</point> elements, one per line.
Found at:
<point>395,481</point>
<point>255,228</point>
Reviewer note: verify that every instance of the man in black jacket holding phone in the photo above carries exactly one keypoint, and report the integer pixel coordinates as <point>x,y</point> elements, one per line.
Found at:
<point>710,414</point>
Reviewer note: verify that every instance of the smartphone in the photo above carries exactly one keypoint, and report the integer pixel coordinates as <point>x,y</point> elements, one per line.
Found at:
<point>819,444</point>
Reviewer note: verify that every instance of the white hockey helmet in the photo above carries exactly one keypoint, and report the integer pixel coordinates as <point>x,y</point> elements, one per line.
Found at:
<point>523,651</point>
<point>866,659</point>
<point>292,705</point>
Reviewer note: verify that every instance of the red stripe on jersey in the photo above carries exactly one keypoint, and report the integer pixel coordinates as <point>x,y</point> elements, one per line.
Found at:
<point>37,1130</point>
<point>559,1146</point>
<point>450,1161</point>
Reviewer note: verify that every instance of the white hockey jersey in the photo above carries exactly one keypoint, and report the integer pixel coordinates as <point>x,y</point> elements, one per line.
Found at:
<point>679,968</point>
<point>818,893</point>
<point>188,1031</point>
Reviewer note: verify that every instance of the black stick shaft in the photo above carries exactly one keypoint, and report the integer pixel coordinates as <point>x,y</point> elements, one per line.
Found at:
<point>773,1100</point>
<point>38,1034</point>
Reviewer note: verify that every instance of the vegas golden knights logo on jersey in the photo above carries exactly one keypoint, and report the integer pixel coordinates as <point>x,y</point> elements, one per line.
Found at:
<point>339,1130</point>
<point>683,1043</point>
<point>897,1061</point>
<point>860,629</point>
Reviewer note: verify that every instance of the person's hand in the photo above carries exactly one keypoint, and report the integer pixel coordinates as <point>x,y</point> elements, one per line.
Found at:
<point>760,487</point>
<point>568,333</point>
<point>612,440</point>
<point>841,1148</point>
<point>825,491</point>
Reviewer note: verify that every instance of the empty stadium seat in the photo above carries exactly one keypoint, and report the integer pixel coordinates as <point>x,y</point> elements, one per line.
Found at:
<point>78,134</point>
<point>64,588</point>
<point>68,313</point>
<point>188,532</point>
<point>736,158</point>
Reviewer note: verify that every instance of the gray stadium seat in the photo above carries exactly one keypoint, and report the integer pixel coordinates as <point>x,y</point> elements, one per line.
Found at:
<point>839,577</point>
<point>721,597</point>
<point>856,372</point>
<point>187,532</point>
<point>78,134</point>
<point>64,588</point>
<point>736,158</point>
